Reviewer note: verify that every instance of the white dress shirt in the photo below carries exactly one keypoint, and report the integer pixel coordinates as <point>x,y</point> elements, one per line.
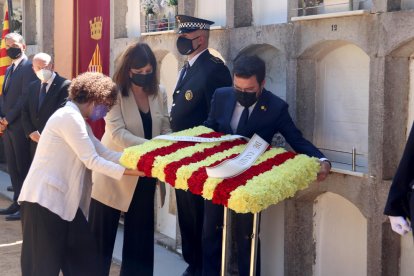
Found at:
<point>238,110</point>
<point>50,81</point>
<point>16,62</point>
<point>190,63</point>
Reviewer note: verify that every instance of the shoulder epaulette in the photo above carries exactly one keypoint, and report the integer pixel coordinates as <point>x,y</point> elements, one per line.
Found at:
<point>216,60</point>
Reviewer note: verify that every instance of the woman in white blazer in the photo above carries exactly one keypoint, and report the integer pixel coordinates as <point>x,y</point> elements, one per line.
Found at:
<point>140,114</point>
<point>56,192</point>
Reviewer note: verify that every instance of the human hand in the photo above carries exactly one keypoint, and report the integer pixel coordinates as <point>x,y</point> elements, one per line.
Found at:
<point>4,122</point>
<point>324,170</point>
<point>399,225</point>
<point>133,172</point>
<point>35,136</point>
<point>2,128</point>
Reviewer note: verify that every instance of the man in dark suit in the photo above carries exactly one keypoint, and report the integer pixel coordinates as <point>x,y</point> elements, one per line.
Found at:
<point>246,109</point>
<point>45,96</point>
<point>16,146</point>
<point>400,204</point>
<point>200,77</point>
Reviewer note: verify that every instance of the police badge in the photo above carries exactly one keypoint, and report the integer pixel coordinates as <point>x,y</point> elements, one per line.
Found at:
<point>188,95</point>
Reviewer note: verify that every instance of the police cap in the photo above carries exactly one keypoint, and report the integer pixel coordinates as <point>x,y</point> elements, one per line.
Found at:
<point>188,24</point>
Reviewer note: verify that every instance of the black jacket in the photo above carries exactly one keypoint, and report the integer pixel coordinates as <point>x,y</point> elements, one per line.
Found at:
<point>13,96</point>
<point>269,116</point>
<point>192,97</point>
<point>34,119</point>
<point>398,202</point>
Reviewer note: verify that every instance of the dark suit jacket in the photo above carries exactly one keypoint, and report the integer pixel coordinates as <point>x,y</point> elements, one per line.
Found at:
<point>34,119</point>
<point>192,97</point>
<point>398,202</point>
<point>13,96</point>
<point>269,116</point>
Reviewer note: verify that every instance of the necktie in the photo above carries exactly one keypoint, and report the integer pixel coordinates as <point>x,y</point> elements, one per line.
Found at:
<point>183,72</point>
<point>42,94</point>
<point>9,77</point>
<point>244,118</point>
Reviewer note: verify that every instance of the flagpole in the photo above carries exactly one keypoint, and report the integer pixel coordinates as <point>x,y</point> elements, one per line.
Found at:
<point>10,9</point>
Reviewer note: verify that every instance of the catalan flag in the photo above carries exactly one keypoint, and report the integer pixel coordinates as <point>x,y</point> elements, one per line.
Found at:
<point>5,61</point>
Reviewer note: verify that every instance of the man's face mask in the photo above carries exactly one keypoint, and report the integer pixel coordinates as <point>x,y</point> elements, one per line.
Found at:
<point>246,99</point>
<point>185,45</point>
<point>44,74</point>
<point>14,53</point>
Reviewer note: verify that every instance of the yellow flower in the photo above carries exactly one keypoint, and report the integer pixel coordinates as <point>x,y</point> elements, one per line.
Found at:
<point>131,155</point>
<point>275,185</point>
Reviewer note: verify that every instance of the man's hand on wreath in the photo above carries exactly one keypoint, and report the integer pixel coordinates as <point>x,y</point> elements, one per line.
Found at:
<point>324,170</point>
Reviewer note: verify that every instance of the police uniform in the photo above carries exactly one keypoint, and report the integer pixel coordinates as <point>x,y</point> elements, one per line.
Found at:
<point>190,108</point>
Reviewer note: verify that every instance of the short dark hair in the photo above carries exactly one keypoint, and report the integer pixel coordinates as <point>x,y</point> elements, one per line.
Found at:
<point>136,56</point>
<point>246,66</point>
<point>93,87</point>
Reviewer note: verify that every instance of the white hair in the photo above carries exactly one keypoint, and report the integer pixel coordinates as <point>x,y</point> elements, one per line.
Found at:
<point>16,37</point>
<point>43,57</point>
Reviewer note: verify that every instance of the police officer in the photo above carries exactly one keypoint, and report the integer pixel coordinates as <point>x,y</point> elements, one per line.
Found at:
<point>200,76</point>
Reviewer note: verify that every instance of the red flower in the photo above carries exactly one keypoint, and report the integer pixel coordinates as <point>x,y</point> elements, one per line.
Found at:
<point>222,192</point>
<point>171,169</point>
<point>199,177</point>
<point>146,161</point>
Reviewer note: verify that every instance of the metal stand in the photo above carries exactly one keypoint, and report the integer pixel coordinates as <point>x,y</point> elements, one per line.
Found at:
<point>255,241</point>
<point>253,250</point>
<point>223,245</point>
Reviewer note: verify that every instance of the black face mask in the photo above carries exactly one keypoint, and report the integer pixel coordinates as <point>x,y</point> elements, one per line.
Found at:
<point>185,45</point>
<point>14,53</point>
<point>142,80</point>
<point>246,99</point>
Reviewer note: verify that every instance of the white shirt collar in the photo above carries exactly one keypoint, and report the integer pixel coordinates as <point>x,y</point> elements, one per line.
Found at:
<point>194,58</point>
<point>237,112</point>
<point>50,81</point>
<point>16,62</point>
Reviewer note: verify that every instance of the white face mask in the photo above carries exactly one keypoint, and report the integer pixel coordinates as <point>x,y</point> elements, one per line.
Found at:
<point>44,74</point>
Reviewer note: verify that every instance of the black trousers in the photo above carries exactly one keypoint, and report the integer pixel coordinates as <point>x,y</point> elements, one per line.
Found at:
<point>51,244</point>
<point>242,230</point>
<point>190,210</point>
<point>33,147</point>
<point>17,152</point>
<point>138,244</point>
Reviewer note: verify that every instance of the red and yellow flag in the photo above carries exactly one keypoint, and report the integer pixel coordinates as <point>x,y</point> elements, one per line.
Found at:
<point>5,61</point>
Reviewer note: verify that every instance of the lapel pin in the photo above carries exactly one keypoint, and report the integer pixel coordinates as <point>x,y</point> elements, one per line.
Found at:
<point>264,108</point>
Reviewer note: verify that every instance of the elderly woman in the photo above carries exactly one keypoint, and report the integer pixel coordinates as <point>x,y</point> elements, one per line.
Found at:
<point>140,114</point>
<point>56,192</point>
